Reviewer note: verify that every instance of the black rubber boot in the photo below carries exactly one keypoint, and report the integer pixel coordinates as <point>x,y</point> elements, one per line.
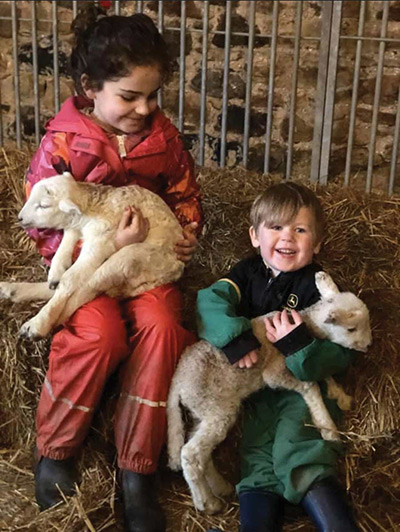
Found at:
<point>51,473</point>
<point>261,511</point>
<point>325,502</point>
<point>142,511</point>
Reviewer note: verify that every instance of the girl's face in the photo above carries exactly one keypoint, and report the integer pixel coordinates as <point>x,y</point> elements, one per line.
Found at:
<point>124,105</point>
<point>287,248</point>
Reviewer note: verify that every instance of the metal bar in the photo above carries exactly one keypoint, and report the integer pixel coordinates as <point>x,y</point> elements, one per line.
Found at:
<point>203,112</point>
<point>321,89</point>
<point>249,78</point>
<point>55,57</point>
<point>160,17</point>
<point>241,33</point>
<point>117,7</point>
<point>270,105</point>
<point>396,136</point>
<point>293,94</point>
<point>330,92</point>
<point>353,107</point>
<point>74,8</point>
<point>182,69</point>
<point>1,123</point>
<point>35,74</point>
<point>225,83</point>
<point>377,97</point>
<point>139,6</point>
<point>16,73</point>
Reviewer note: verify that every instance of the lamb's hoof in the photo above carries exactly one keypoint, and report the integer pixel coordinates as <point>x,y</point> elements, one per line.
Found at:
<point>224,489</point>
<point>345,402</point>
<point>7,291</point>
<point>30,331</point>
<point>330,435</point>
<point>213,506</point>
<point>175,465</point>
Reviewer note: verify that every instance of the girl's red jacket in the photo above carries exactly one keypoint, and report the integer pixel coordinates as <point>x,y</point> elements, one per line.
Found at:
<point>75,143</point>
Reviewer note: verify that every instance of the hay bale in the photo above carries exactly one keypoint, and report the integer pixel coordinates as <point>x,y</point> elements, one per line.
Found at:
<point>361,251</point>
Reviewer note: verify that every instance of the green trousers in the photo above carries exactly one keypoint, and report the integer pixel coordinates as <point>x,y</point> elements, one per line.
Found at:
<point>279,452</point>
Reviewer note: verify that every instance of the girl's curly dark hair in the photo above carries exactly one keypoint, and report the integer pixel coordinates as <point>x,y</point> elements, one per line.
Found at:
<point>108,47</point>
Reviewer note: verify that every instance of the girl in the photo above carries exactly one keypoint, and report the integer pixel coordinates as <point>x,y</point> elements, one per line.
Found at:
<point>113,133</point>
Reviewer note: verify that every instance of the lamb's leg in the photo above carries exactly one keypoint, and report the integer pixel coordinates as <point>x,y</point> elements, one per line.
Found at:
<point>195,458</point>
<point>74,280</point>
<point>62,259</point>
<point>176,429</point>
<point>320,416</point>
<point>311,393</point>
<point>19,292</point>
<point>108,275</point>
<point>218,484</point>
<point>335,391</point>
<point>128,272</point>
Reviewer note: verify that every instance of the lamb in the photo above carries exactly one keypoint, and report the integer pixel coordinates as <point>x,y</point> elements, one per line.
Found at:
<point>91,213</point>
<point>212,390</point>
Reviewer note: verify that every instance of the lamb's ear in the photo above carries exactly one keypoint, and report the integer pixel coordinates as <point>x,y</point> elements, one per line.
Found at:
<point>326,286</point>
<point>69,207</point>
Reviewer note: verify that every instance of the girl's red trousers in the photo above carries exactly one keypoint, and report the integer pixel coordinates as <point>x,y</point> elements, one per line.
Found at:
<point>142,338</point>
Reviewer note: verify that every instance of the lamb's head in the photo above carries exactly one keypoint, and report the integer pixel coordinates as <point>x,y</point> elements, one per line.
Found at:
<point>50,204</point>
<point>342,316</point>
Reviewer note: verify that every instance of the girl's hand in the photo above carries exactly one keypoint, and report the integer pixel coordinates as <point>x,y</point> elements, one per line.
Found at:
<point>186,247</point>
<point>281,325</point>
<point>248,360</point>
<point>132,228</point>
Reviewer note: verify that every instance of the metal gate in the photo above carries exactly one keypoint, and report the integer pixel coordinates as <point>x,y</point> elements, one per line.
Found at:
<point>254,41</point>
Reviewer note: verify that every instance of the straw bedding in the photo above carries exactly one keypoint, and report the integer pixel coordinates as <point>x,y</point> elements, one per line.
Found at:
<point>361,251</point>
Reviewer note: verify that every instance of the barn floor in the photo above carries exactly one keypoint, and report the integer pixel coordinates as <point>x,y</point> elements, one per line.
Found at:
<point>362,251</point>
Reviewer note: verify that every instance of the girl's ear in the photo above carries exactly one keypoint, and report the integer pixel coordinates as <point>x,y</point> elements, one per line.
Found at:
<point>253,237</point>
<point>89,92</point>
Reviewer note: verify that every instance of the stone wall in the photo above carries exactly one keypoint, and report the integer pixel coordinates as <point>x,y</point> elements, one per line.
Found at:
<point>308,71</point>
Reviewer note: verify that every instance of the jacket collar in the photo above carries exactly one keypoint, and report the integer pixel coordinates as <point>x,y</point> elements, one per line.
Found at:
<point>70,120</point>
<point>284,277</point>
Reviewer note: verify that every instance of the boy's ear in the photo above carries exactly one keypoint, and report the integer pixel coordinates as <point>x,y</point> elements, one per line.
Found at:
<point>317,247</point>
<point>253,237</point>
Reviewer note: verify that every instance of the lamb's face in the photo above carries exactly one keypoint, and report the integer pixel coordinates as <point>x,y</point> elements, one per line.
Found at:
<point>49,206</point>
<point>346,321</point>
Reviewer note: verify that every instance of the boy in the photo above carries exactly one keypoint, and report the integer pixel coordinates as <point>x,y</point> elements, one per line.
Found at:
<point>282,458</point>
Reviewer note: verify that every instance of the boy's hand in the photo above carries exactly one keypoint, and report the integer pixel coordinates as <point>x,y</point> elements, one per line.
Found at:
<point>281,325</point>
<point>247,361</point>
<point>132,228</point>
<point>186,247</point>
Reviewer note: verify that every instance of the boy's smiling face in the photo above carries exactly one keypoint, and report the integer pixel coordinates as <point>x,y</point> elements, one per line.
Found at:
<point>290,246</point>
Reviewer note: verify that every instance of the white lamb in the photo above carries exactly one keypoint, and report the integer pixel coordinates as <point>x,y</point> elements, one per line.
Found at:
<point>91,213</point>
<point>212,390</point>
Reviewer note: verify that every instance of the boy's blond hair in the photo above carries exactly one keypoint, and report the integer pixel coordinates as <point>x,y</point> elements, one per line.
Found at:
<point>280,203</point>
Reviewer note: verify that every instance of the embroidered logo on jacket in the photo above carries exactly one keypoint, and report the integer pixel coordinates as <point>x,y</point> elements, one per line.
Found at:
<point>292,301</point>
